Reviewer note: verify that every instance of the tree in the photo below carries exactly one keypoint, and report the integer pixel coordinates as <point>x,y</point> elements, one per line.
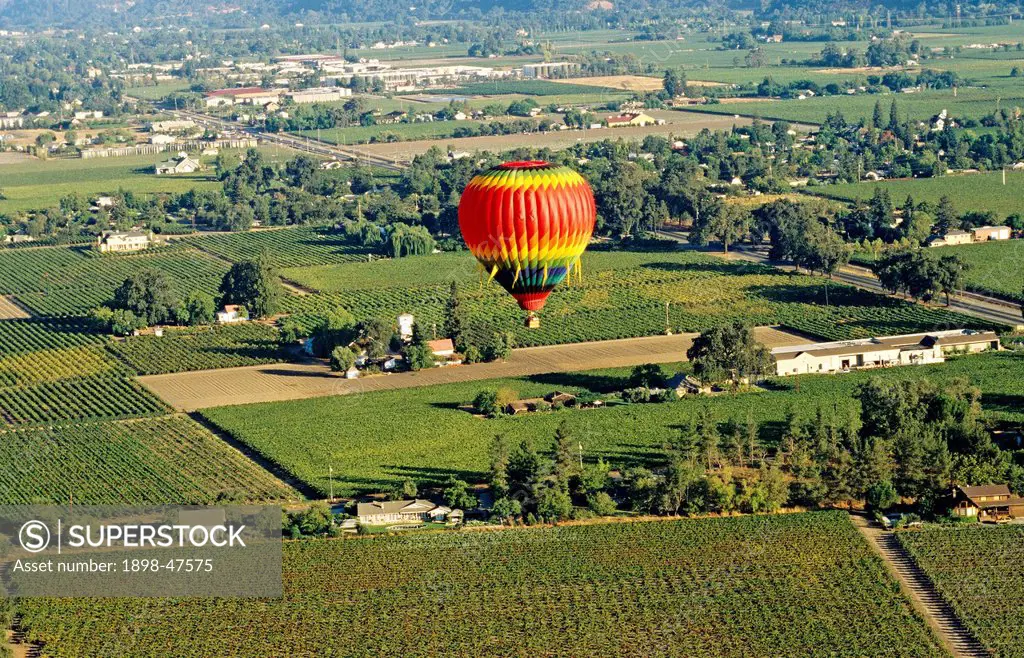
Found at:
<point>506,508</point>
<point>876,116</point>
<point>946,218</point>
<point>554,504</point>
<point>566,459</point>
<point>729,224</point>
<point>342,359</point>
<point>199,309</point>
<point>952,273</point>
<point>648,375</point>
<point>486,403</point>
<point>336,328</point>
<point>602,504</point>
<point>524,469</point>
<point>453,316</point>
<point>498,467</point>
<point>881,496</point>
<point>674,82</point>
<point>729,351</point>
<point>419,357</point>
<point>457,495</point>
<point>147,294</point>
<point>252,284</point>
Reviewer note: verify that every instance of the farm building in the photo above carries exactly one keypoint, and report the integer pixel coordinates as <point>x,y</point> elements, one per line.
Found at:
<point>911,349</point>
<point>951,238</point>
<point>230,314</point>
<point>992,502</point>
<point>400,511</point>
<point>318,95</point>
<point>120,242</point>
<point>184,165</point>
<point>630,119</point>
<point>442,347</point>
<point>546,69</point>
<point>986,233</point>
<point>160,138</point>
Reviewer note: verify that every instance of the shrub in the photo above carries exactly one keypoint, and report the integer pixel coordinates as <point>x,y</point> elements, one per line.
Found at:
<point>486,402</point>
<point>601,504</point>
<point>342,358</point>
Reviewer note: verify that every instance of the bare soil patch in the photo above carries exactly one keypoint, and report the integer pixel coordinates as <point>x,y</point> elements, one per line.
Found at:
<point>10,310</point>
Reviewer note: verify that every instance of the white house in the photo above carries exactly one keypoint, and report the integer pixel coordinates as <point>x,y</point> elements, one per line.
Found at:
<point>185,165</point>
<point>911,349</point>
<point>400,511</point>
<point>232,313</point>
<point>951,238</point>
<point>120,242</point>
<point>161,138</point>
<point>442,347</point>
<point>104,201</point>
<point>405,322</point>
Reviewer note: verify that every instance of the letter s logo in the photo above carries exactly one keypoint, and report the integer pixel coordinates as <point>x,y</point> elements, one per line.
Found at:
<point>34,536</point>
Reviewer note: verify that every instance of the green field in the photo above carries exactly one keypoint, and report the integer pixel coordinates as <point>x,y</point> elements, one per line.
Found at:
<point>202,348</point>
<point>715,588</point>
<point>170,459</point>
<point>375,440</point>
<point>41,183</point>
<point>994,267</point>
<point>60,281</point>
<point>977,571</point>
<point>968,192</point>
<point>290,247</point>
<point>972,103</point>
<point>621,295</point>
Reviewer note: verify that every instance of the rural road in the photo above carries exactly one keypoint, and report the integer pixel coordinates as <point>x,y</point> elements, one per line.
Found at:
<point>979,306</point>
<point>189,391</point>
<point>939,615</point>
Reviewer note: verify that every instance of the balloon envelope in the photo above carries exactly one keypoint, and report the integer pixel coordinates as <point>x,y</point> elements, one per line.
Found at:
<point>528,223</point>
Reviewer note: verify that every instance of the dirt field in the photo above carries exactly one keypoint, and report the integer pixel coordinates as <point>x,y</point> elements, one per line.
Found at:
<point>13,157</point>
<point>189,391</point>
<point>624,82</point>
<point>678,124</point>
<point>9,310</point>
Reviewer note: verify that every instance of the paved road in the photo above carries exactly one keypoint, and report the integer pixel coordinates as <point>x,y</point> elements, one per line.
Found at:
<point>189,391</point>
<point>986,308</point>
<point>939,615</point>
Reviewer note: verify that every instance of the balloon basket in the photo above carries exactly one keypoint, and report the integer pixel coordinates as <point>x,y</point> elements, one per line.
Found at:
<point>532,321</point>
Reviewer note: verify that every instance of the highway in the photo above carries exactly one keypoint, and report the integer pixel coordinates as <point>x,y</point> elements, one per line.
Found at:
<point>297,143</point>
<point>980,306</point>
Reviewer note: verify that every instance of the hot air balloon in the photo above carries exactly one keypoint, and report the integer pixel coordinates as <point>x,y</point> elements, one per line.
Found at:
<point>528,223</point>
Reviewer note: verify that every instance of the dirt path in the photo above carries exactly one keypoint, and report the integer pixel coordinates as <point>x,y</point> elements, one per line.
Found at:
<point>926,600</point>
<point>10,309</point>
<point>189,391</point>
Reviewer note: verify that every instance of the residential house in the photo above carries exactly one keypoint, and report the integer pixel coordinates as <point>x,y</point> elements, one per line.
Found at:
<point>185,165</point>
<point>986,233</point>
<point>992,502</point>
<point>232,313</point>
<point>121,242</point>
<point>630,119</point>
<point>104,202</point>
<point>951,238</point>
<point>401,511</point>
<point>911,349</point>
<point>561,398</point>
<point>443,347</point>
<point>405,323</point>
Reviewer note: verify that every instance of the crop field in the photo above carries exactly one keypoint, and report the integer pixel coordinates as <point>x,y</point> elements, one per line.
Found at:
<point>41,184</point>
<point>53,365</point>
<point>968,192</point>
<point>178,350</point>
<point>977,571</point>
<point>64,281</point>
<point>22,336</point>
<point>290,247</point>
<point>715,587</point>
<point>92,397</point>
<point>621,295</point>
<point>170,459</point>
<point>374,440</point>
<point>973,103</point>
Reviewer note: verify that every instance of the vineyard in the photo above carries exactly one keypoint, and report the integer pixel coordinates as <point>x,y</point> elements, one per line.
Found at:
<point>621,295</point>
<point>422,433</point>
<point>77,398</point>
<point>170,459</point>
<point>179,350</point>
<point>22,336</point>
<point>53,365</point>
<point>977,570</point>
<point>70,281</point>
<point>715,588</point>
<point>291,247</point>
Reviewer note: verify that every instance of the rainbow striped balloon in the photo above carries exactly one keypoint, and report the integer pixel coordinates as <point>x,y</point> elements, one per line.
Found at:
<point>528,223</point>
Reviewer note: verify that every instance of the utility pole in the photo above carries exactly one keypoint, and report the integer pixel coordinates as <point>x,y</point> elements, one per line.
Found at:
<point>330,478</point>
<point>581,456</point>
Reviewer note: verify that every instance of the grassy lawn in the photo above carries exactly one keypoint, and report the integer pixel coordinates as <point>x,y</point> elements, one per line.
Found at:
<point>968,192</point>
<point>374,440</point>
